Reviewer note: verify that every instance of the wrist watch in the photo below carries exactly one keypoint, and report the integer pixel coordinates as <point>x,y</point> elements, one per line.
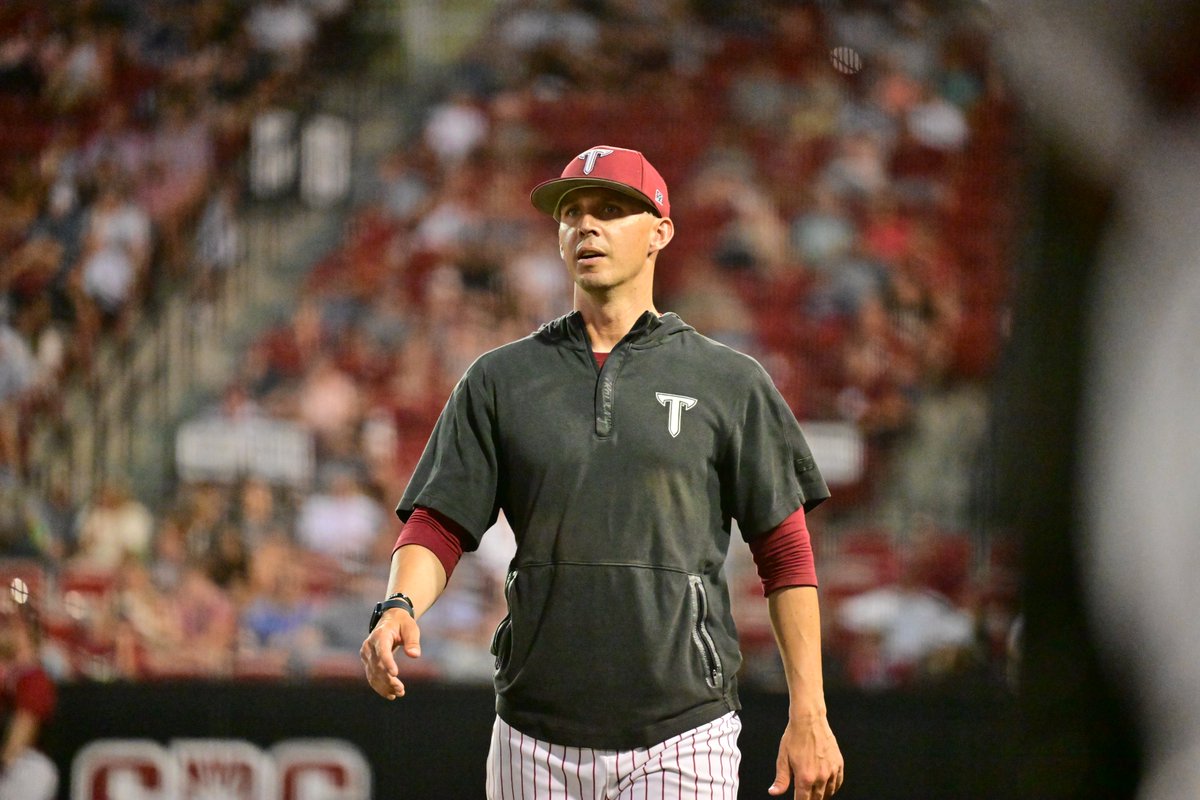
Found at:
<point>397,600</point>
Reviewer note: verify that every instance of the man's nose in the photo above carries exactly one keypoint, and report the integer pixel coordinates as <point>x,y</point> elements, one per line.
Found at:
<point>588,222</point>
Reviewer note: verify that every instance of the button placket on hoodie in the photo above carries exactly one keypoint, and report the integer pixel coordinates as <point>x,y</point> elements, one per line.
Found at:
<point>606,383</point>
<point>606,392</point>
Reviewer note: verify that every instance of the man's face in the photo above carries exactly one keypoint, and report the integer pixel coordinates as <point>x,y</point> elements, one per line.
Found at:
<point>605,237</point>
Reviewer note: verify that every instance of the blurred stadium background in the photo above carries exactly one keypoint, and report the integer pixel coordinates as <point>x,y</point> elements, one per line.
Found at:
<point>249,246</point>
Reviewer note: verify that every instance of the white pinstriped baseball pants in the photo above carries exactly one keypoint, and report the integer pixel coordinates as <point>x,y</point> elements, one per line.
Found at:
<point>700,764</point>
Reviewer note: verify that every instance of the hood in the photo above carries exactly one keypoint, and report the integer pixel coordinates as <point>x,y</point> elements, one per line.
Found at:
<point>650,330</point>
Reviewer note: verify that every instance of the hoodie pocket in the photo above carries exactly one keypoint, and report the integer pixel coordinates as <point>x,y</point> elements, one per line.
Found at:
<point>502,638</point>
<point>714,675</point>
<point>611,647</point>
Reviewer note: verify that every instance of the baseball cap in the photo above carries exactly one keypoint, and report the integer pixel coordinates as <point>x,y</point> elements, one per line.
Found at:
<point>617,168</point>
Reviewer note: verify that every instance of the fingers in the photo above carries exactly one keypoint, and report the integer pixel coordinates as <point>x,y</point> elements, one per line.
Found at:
<point>410,634</point>
<point>825,789</point>
<point>380,667</point>
<point>783,776</point>
<point>818,788</point>
<point>834,783</point>
<point>377,656</point>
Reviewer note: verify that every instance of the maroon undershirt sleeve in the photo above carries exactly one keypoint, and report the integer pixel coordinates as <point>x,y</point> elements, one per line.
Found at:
<point>437,532</point>
<point>784,555</point>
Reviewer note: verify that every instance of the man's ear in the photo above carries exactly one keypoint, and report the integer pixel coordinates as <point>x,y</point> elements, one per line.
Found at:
<point>661,236</point>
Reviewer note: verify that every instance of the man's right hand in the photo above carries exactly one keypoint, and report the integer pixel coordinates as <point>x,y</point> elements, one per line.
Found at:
<point>396,628</point>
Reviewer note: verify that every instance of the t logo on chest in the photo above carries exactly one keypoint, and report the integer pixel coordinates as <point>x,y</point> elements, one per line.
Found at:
<point>675,404</point>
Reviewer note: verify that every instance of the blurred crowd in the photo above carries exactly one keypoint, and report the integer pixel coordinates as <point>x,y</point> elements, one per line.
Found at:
<point>123,125</point>
<point>849,224</point>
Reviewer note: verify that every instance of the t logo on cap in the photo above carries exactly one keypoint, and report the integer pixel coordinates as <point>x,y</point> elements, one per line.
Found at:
<point>588,157</point>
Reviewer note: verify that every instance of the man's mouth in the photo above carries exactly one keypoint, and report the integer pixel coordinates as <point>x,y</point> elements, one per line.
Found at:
<point>586,255</point>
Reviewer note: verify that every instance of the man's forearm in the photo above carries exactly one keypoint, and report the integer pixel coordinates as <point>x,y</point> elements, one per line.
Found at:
<point>796,620</point>
<point>417,571</point>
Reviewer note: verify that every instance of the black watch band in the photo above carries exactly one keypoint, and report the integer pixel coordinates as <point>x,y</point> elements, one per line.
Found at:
<point>397,600</point>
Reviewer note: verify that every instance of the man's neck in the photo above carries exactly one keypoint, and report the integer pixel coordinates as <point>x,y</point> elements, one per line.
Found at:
<point>608,320</point>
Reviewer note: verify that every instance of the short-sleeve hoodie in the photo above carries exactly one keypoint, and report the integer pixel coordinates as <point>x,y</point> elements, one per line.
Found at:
<point>620,484</point>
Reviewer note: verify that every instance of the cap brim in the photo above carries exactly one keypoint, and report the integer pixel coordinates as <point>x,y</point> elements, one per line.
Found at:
<point>548,195</point>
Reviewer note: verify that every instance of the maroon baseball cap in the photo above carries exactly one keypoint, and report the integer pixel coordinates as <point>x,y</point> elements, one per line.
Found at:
<point>626,171</point>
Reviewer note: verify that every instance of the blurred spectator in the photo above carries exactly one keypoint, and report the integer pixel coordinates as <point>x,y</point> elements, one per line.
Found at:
<point>115,145</point>
<point>118,222</point>
<point>912,630</point>
<point>83,70</point>
<point>454,218</point>
<point>27,703</point>
<point>282,616</point>
<point>283,28</point>
<point>227,561</point>
<point>169,556</point>
<point>207,621</point>
<point>822,232</point>
<point>268,560</point>
<point>343,522</point>
<point>859,169</point>
<point>177,175</point>
<point>257,515</point>
<point>217,245</point>
<point>538,281</point>
<point>17,365</point>
<point>756,237</point>
<point>759,95</point>
<point>709,302</point>
<point>117,251</point>
<point>115,524</point>
<point>878,389</point>
<point>455,128</point>
<point>204,512</point>
<point>20,70</point>
<point>329,401</point>
<point>24,532</point>
<point>61,221</point>
<point>338,619</point>
<point>236,405</point>
<point>937,123</point>
<point>147,610</point>
<point>60,516</point>
<point>402,190</point>
<point>546,36</point>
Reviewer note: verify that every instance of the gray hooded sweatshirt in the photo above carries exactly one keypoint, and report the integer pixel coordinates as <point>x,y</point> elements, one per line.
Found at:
<point>620,484</point>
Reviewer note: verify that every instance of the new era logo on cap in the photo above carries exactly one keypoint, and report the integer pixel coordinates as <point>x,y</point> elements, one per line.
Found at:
<point>618,168</point>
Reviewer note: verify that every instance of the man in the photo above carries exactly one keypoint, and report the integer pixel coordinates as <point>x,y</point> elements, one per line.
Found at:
<point>620,444</point>
<point>27,699</point>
